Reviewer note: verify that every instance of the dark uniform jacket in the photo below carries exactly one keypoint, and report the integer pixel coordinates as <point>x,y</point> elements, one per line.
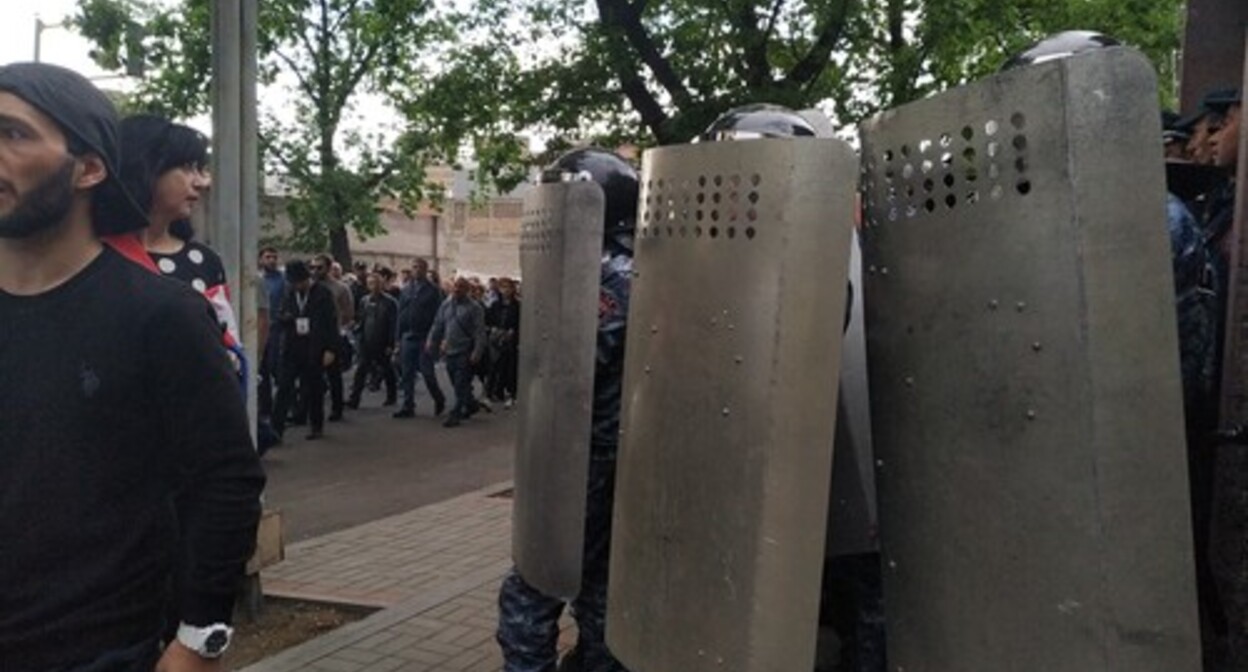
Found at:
<point>377,317</point>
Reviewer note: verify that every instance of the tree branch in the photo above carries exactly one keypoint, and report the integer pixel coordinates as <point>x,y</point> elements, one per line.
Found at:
<point>754,66</point>
<point>621,15</point>
<point>304,84</point>
<point>816,59</point>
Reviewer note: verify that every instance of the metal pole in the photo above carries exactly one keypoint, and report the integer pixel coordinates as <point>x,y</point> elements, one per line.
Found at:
<point>38,37</point>
<point>233,120</point>
<point>1213,48</point>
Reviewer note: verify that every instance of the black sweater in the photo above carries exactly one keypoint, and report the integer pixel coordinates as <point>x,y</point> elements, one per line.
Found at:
<point>115,396</point>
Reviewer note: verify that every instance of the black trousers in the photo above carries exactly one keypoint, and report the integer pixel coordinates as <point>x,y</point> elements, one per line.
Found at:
<point>311,379</point>
<point>373,360</point>
<point>333,374</point>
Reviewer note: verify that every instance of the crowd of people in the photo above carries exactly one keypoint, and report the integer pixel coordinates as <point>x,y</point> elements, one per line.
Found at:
<point>389,328</point>
<point>1202,158</point>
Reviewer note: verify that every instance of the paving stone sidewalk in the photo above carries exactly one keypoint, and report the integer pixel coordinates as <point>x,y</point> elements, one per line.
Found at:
<point>435,573</point>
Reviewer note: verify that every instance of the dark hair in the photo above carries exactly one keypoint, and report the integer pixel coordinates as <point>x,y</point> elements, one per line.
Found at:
<point>265,250</point>
<point>152,146</point>
<point>297,271</point>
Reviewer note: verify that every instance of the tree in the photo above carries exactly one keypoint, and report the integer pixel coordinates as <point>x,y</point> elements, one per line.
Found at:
<point>659,72</point>
<point>326,57</point>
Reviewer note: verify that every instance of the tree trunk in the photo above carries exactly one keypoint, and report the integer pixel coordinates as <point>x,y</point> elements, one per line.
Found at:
<point>340,247</point>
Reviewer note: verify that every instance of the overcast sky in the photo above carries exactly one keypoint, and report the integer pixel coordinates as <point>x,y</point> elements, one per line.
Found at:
<point>60,46</point>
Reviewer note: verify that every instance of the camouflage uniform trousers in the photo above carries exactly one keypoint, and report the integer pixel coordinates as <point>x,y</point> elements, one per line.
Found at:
<point>528,620</point>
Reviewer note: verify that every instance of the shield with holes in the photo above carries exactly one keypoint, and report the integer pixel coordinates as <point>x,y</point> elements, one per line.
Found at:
<point>560,252</point>
<point>1025,396</point>
<point>729,412</point>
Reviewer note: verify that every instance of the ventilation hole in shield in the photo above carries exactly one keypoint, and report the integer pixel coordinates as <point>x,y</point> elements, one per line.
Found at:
<point>684,232</point>
<point>701,197</point>
<point>892,214</point>
<point>732,232</point>
<point>749,232</point>
<point>660,183</point>
<point>949,180</point>
<point>911,211</point>
<point>928,185</point>
<point>697,232</point>
<point>684,214</point>
<point>972,197</point>
<point>907,172</point>
<point>951,201</point>
<point>968,133</point>
<point>732,215</point>
<point>924,145</point>
<point>701,180</point>
<point>888,175</point>
<point>1020,142</point>
<point>946,139</point>
<point>994,171</point>
<point>752,215</point>
<point>969,154</point>
<point>714,232</point>
<point>930,205</point>
<point>991,127</point>
<point>735,180</point>
<point>699,215</point>
<point>719,180</point>
<point>1020,164</point>
<point>753,196</point>
<point>888,155</point>
<point>946,160</point>
<point>909,191</point>
<point>715,215</point>
<point>715,197</point>
<point>996,192</point>
<point>994,148</point>
<point>671,214</point>
<point>755,179</point>
<point>1018,120</point>
<point>671,231</point>
<point>927,167</point>
<point>649,184</point>
<point>905,151</point>
<point>1023,187</point>
<point>686,197</point>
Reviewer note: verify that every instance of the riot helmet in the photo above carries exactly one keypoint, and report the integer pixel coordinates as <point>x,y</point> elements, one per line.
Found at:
<point>761,120</point>
<point>619,185</point>
<point>1060,45</point>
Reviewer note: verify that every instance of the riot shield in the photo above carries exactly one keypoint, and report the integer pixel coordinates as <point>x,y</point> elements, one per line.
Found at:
<point>560,258</point>
<point>1024,380</point>
<point>729,411</point>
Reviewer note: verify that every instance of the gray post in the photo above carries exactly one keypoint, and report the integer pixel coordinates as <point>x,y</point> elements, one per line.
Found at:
<point>231,220</point>
<point>38,37</point>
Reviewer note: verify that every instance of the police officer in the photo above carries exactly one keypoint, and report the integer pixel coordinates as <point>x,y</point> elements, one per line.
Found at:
<point>528,627</point>
<point>310,345</point>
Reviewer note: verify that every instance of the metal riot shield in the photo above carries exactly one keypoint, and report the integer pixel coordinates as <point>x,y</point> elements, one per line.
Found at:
<point>560,258</point>
<point>1025,396</point>
<point>729,411</point>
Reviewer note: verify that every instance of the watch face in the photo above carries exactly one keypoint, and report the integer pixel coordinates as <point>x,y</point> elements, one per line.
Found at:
<point>216,642</point>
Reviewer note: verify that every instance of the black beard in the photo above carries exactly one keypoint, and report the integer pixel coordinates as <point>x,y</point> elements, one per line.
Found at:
<point>46,206</point>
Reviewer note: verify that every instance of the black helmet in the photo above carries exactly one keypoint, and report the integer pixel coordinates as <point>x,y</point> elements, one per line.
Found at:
<point>757,121</point>
<point>617,178</point>
<point>1061,45</point>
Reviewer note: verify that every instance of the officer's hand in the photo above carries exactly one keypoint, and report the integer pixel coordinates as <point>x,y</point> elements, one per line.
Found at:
<point>178,658</point>
<point>327,359</point>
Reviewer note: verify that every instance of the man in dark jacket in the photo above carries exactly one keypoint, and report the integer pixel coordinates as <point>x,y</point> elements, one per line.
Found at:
<point>118,397</point>
<point>502,321</point>
<point>418,305</point>
<point>310,345</point>
<point>377,321</point>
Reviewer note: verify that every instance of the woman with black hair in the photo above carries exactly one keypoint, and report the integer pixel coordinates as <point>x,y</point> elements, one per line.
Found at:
<point>164,166</point>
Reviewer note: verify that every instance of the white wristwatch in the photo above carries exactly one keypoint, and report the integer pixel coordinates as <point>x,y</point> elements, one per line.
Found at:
<point>209,642</point>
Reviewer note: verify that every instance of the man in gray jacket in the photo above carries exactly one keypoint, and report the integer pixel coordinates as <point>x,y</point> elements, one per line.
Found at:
<point>459,335</point>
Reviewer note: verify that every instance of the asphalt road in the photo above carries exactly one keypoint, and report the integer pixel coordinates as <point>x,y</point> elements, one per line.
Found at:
<point>371,466</point>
